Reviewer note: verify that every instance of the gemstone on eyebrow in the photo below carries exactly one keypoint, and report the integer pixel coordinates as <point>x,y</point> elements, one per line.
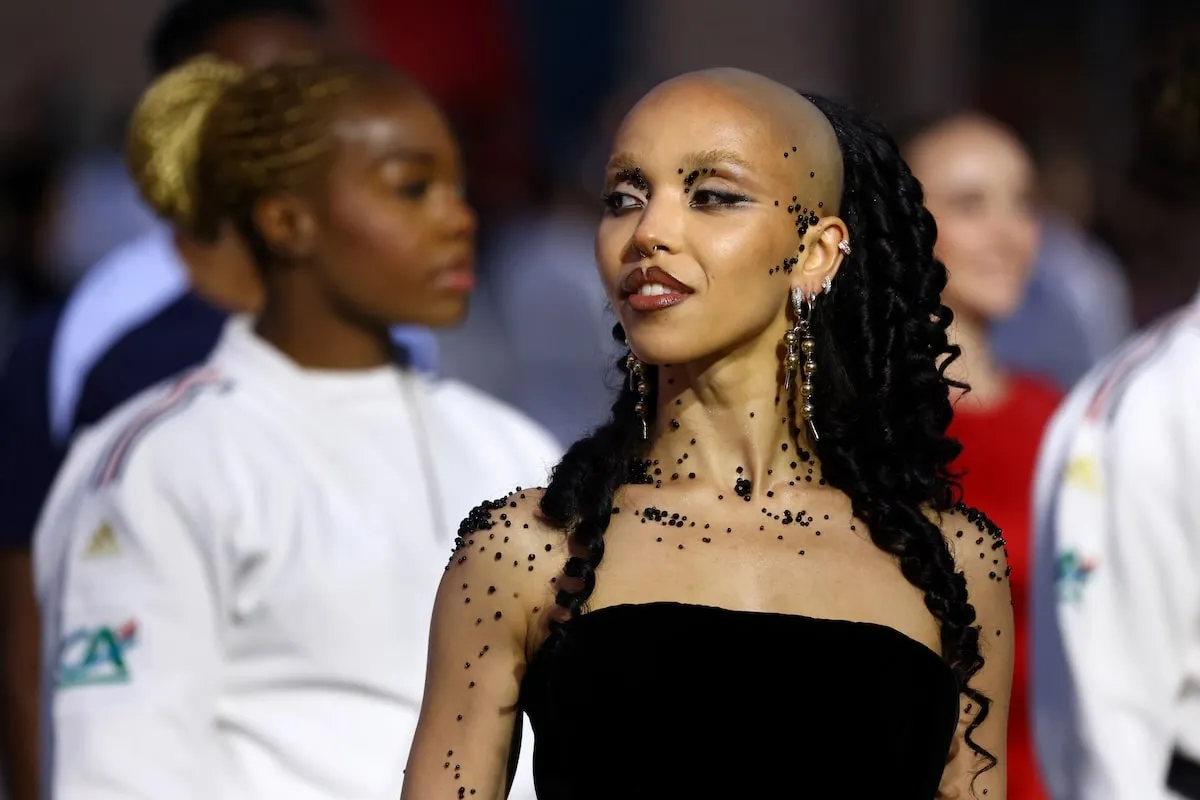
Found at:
<point>634,178</point>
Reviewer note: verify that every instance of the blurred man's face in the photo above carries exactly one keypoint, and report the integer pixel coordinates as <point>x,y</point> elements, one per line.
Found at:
<point>255,42</point>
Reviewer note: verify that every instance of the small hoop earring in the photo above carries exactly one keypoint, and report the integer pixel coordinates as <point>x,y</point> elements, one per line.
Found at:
<point>844,246</point>
<point>637,382</point>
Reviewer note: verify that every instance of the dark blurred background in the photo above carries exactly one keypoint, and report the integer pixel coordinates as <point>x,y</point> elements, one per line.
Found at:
<point>536,85</point>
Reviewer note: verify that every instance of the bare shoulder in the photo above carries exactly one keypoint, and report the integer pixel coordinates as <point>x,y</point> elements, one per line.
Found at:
<point>497,532</point>
<point>506,563</point>
<point>976,543</point>
<point>981,557</point>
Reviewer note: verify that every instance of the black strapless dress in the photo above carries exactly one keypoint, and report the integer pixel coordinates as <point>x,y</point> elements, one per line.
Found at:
<point>667,700</point>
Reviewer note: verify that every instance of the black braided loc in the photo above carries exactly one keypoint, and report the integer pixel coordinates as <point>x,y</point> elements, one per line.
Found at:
<point>882,402</point>
<point>579,497</point>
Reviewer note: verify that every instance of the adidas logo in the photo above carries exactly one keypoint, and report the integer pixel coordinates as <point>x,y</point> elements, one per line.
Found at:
<point>1083,473</point>
<point>102,543</point>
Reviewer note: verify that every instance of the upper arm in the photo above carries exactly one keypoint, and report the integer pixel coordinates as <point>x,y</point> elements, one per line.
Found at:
<point>130,613</point>
<point>496,587</point>
<point>980,555</point>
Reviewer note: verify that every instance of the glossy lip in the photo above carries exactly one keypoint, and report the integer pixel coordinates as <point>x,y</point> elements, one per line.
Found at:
<point>458,275</point>
<point>679,291</point>
<point>654,302</point>
<point>640,277</point>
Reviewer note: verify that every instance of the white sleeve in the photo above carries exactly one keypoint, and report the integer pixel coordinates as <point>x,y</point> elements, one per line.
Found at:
<point>1129,598</point>
<point>130,611</point>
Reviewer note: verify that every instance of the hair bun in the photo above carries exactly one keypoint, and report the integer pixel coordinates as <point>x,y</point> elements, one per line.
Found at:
<point>163,145</point>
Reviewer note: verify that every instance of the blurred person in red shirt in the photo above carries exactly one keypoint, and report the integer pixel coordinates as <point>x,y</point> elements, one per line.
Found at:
<point>979,181</point>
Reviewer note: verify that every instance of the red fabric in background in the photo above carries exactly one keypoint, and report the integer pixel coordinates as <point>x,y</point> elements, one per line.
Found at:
<point>461,51</point>
<point>1000,448</point>
<point>466,53</point>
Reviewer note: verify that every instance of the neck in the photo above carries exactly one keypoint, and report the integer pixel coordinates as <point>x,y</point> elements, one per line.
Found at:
<point>727,422</point>
<point>314,336</point>
<point>222,272</point>
<point>977,365</point>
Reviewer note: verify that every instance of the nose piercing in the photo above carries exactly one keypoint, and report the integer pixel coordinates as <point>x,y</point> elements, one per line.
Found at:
<point>653,248</point>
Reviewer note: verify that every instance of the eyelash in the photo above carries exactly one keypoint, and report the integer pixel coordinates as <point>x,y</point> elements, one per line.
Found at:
<point>414,190</point>
<point>613,200</point>
<point>723,198</point>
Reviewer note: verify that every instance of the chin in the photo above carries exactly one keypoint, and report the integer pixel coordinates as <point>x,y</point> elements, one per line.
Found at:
<point>992,301</point>
<point>667,347</point>
<point>1001,305</point>
<point>688,335</point>
<point>999,313</point>
<point>442,312</point>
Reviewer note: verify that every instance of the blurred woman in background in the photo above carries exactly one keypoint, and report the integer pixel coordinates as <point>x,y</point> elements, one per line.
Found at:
<point>979,184</point>
<point>147,310</point>
<point>236,569</point>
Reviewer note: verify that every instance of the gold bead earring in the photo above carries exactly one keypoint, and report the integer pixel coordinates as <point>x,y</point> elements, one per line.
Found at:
<point>800,358</point>
<point>637,382</point>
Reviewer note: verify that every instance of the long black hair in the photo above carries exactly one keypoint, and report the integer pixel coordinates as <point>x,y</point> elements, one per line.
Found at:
<point>882,402</point>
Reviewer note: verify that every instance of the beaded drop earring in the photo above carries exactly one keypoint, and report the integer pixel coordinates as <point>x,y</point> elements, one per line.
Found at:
<point>800,360</point>
<point>809,367</point>
<point>800,338</point>
<point>791,342</point>
<point>637,382</point>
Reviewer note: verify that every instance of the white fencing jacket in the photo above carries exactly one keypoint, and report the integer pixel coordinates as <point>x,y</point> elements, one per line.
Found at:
<point>1117,585</point>
<point>237,572</point>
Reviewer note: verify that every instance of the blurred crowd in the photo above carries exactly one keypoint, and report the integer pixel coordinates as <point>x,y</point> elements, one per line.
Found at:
<point>1049,276</point>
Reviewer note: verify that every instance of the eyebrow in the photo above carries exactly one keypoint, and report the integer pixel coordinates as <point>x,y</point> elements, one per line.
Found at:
<point>708,158</point>
<point>407,154</point>
<point>626,162</point>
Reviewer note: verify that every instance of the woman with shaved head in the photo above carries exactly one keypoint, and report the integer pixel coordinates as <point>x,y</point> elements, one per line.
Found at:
<point>757,578</point>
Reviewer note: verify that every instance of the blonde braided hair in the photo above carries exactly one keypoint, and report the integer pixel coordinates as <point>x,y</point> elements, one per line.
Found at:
<point>162,150</point>
<point>208,139</point>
